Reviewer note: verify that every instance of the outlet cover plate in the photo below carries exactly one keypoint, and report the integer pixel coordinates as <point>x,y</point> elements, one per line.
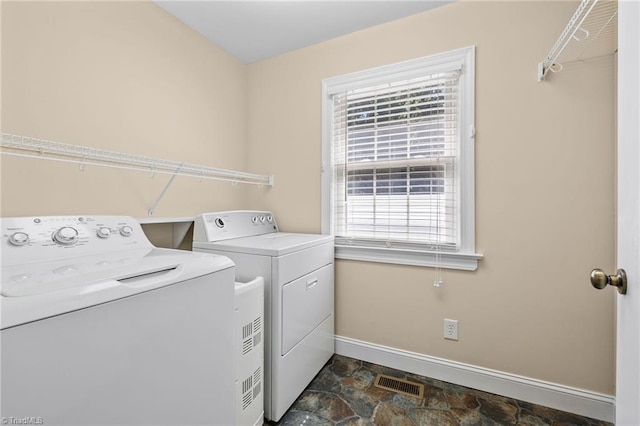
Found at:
<point>450,329</point>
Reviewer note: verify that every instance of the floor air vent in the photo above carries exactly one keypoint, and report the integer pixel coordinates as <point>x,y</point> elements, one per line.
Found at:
<point>404,387</point>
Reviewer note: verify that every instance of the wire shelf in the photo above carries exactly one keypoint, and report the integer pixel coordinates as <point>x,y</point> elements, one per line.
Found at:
<point>42,149</point>
<point>591,32</point>
<point>58,151</point>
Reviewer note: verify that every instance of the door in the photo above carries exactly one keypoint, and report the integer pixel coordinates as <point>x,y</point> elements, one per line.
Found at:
<point>628,245</point>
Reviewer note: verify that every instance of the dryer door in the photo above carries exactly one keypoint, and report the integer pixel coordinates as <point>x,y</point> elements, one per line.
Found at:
<point>306,302</point>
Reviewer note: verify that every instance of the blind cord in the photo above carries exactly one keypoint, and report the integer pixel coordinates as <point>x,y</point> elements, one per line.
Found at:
<point>438,269</point>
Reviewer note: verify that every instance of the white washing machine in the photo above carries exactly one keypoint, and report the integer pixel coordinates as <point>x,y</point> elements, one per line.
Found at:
<point>299,295</point>
<point>99,327</point>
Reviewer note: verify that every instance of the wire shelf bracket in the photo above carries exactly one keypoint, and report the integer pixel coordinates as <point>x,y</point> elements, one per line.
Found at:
<point>42,149</point>
<point>164,190</point>
<point>591,29</point>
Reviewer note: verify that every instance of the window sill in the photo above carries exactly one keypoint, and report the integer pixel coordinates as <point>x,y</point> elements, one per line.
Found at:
<point>448,260</point>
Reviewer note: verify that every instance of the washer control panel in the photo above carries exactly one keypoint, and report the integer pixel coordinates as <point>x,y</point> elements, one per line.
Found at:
<point>27,239</point>
<point>233,224</point>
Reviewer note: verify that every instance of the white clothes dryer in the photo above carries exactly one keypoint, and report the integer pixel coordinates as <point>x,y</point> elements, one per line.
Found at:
<point>299,295</point>
<point>100,327</point>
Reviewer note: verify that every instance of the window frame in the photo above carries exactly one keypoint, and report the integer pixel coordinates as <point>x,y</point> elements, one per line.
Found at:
<point>464,257</point>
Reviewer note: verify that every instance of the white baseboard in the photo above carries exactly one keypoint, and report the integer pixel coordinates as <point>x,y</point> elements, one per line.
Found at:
<point>579,401</point>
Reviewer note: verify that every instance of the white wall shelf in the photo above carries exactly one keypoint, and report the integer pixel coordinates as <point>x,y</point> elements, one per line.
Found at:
<point>590,33</point>
<point>27,147</point>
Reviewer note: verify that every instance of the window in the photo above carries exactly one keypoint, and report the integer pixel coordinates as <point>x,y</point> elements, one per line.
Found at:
<point>398,162</point>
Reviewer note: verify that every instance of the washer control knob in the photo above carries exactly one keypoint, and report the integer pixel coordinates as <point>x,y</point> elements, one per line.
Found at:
<point>19,238</point>
<point>263,219</point>
<point>254,219</point>
<point>219,222</point>
<point>66,236</point>
<point>103,232</point>
<point>270,219</point>
<point>126,231</point>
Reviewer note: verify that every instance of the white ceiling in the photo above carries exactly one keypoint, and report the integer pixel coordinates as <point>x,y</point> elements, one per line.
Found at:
<point>259,29</point>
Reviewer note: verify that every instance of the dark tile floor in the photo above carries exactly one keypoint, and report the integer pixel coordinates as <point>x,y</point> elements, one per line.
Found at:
<point>343,394</point>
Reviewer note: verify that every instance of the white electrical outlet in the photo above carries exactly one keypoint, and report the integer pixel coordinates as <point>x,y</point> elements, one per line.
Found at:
<point>450,329</point>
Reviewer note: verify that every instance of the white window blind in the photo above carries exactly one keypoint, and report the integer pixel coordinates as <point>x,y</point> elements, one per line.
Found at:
<point>395,161</point>
<point>398,162</point>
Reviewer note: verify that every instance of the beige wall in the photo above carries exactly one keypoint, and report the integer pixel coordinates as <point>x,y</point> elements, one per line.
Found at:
<point>123,76</point>
<point>544,191</point>
<point>128,77</point>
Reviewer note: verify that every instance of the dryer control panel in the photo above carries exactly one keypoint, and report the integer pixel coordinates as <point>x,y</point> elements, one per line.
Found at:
<point>209,227</point>
<point>26,239</point>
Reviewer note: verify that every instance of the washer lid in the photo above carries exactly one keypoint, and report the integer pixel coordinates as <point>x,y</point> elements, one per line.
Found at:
<point>43,277</point>
<point>275,244</point>
<point>38,290</point>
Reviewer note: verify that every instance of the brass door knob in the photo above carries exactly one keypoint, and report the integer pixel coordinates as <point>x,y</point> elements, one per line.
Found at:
<point>600,280</point>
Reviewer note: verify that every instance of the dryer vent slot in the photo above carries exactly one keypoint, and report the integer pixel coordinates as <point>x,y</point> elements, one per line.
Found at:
<point>247,341</point>
<point>257,331</point>
<point>247,330</point>
<point>256,390</point>
<point>251,335</point>
<point>246,400</point>
<point>251,388</point>
<point>257,338</point>
<point>247,384</point>
<point>257,380</point>
<point>401,386</point>
<point>257,375</point>
<point>247,345</point>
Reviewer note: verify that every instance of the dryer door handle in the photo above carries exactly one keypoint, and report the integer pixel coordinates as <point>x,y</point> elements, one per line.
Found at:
<point>312,282</point>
